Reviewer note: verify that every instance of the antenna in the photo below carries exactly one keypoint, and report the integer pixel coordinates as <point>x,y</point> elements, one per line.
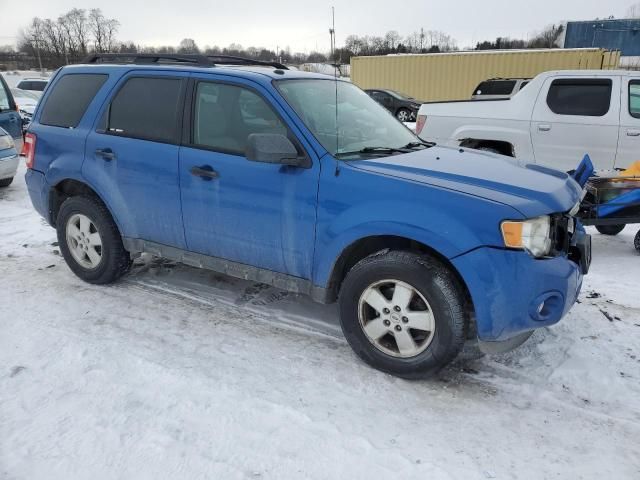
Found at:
<point>332,34</point>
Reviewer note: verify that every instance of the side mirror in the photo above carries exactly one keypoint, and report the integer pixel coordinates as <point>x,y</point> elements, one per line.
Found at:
<point>273,148</point>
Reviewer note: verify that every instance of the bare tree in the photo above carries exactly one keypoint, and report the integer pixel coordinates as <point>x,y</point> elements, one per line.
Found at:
<point>547,38</point>
<point>634,11</point>
<point>188,45</point>
<point>392,38</point>
<point>77,19</point>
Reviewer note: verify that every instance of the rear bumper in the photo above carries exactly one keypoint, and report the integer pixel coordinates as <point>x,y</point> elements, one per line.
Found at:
<point>514,293</point>
<point>38,192</point>
<point>8,164</point>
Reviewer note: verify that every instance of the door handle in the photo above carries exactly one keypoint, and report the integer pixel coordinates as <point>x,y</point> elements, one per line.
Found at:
<point>205,172</point>
<point>105,153</point>
<point>544,127</point>
<point>633,133</point>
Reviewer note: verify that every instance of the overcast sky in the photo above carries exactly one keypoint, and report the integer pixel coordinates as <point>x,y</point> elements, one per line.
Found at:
<point>303,26</point>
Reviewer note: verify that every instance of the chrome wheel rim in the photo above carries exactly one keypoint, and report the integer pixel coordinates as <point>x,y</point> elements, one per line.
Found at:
<point>396,318</point>
<point>402,116</point>
<point>84,241</point>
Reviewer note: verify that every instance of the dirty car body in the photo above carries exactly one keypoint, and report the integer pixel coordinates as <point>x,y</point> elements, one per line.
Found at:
<point>315,219</point>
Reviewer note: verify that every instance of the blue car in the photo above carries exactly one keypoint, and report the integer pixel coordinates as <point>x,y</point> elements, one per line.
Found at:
<point>304,182</point>
<point>10,133</point>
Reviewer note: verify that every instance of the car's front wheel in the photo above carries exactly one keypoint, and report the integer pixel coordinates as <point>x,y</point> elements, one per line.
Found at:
<point>90,241</point>
<point>402,313</point>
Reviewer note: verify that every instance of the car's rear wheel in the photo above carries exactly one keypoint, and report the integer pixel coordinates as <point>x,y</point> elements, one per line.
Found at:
<point>636,241</point>
<point>90,241</point>
<point>610,229</point>
<point>403,115</point>
<point>5,182</point>
<point>402,313</point>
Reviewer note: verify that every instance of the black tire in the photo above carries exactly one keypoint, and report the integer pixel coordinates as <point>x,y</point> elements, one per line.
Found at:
<point>403,114</point>
<point>115,260</point>
<point>431,279</point>
<point>610,229</point>
<point>636,241</point>
<point>6,182</point>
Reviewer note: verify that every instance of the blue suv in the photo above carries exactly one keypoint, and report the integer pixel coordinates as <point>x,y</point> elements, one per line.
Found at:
<point>304,182</point>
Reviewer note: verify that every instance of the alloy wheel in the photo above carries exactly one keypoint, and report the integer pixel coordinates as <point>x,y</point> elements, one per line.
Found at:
<point>396,318</point>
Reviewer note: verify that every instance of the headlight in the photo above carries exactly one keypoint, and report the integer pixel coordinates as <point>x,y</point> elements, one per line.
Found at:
<point>6,142</point>
<point>531,235</point>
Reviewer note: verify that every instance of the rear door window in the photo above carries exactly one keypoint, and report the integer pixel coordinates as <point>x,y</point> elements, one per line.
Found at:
<point>588,97</point>
<point>147,108</point>
<point>634,98</point>
<point>70,98</point>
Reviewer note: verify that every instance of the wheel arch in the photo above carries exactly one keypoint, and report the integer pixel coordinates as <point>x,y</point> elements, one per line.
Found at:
<point>71,187</point>
<point>369,245</point>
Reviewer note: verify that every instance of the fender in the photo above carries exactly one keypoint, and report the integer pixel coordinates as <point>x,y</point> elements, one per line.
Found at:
<point>55,175</point>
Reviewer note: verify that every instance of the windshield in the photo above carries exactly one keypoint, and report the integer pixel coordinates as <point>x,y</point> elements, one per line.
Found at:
<point>401,96</point>
<point>358,123</point>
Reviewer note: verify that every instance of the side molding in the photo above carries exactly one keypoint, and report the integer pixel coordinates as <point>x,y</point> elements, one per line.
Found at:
<point>233,269</point>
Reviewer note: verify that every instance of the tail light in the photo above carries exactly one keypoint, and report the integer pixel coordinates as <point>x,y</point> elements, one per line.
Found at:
<point>420,122</point>
<point>29,149</point>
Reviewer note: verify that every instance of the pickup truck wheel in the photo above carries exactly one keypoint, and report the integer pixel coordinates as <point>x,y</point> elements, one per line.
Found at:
<point>90,241</point>
<point>5,182</point>
<point>402,313</point>
<point>610,229</point>
<point>403,115</point>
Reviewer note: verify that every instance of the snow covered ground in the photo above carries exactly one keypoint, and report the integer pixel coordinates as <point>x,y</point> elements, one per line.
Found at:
<point>181,373</point>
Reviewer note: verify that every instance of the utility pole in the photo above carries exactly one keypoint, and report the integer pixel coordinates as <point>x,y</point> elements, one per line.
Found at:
<point>35,41</point>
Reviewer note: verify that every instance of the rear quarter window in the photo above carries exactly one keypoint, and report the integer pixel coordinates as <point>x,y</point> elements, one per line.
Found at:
<point>69,99</point>
<point>588,97</point>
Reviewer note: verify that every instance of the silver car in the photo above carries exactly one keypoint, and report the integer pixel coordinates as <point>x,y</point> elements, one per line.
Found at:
<point>8,159</point>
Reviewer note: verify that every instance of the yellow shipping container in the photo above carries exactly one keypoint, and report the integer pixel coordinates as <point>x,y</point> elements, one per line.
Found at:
<point>453,76</point>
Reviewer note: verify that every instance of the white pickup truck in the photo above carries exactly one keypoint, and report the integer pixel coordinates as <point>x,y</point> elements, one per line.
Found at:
<point>557,118</point>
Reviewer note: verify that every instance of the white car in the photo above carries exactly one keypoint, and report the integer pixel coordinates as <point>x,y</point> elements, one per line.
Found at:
<point>26,102</point>
<point>558,118</point>
<point>35,85</point>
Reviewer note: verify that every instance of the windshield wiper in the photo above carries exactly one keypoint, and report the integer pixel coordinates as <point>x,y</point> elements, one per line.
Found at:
<point>419,144</point>
<point>375,150</point>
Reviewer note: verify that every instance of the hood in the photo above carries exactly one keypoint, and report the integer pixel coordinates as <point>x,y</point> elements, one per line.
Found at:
<point>531,189</point>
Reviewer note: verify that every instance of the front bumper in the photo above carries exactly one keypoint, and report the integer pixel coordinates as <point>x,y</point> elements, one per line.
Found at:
<point>514,293</point>
<point>8,163</point>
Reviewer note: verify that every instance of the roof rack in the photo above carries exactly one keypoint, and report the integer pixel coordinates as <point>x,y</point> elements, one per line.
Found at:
<point>178,59</point>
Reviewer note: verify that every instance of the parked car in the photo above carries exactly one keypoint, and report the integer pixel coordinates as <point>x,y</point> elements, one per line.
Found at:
<point>9,116</point>
<point>26,103</point>
<point>34,85</point>
<point>256,172</point>
<point>555,120</point>
<point>496,88</point>
<point>402,106</point>
<point>8,158</point>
